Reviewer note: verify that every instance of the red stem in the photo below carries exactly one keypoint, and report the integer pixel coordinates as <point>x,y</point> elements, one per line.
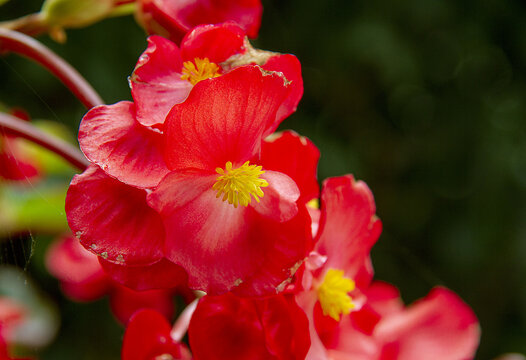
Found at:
<point>27,46</point>
<point>17,127</point>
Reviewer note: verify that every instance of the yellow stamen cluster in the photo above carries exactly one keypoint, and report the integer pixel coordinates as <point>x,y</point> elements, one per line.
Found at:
<point>333,294</point>
<point>202,69</point>
<point>237,185</point>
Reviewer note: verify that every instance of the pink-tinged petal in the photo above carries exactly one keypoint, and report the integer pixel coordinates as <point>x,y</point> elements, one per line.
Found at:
<point>441,326</point>
<point>110,137</point>
<point>348,227</point>
<point>279,200</point>
<point>223,119</point>
<point>215,42</point>
<point>113,220</point>
<point>248,252</point>
<point>163,274</point>
<point>147,337</point>
<point>307,301</point>
<point>178,17</point>
<point>290,66</point>
<point>156,82</point>
<point>78,270</point>
<point>296,156</point>
<point>125,302</point>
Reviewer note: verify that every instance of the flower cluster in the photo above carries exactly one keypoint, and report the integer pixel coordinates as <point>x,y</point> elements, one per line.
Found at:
<point>190,186</point>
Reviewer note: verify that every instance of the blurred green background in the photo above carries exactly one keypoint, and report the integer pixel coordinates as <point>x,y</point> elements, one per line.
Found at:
<point>425,100</point>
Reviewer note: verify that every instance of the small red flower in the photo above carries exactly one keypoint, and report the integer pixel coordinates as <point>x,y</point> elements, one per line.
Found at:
<point>173,18</point>
<point>148,337</point>
<point>230,327</point>
<point>440,327</point>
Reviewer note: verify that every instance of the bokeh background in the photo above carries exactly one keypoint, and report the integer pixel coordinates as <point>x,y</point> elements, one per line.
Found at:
<point>425,100</point>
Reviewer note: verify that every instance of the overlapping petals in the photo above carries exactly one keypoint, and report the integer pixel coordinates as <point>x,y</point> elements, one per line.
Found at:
<point>229,327</point>
<point>222,121</point>
<point>441,326</point>
<point>157,82</point>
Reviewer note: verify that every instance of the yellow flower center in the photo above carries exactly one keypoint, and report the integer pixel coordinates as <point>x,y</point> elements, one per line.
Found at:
<point>333,294</point>
<point>237,185</point>
<point>202,69</point>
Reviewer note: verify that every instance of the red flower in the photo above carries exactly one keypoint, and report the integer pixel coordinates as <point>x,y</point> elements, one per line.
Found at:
<point>230,327</point>
<point>82,279</point>
<point>212,147</point>
<point>148,337</point>
<point>440,327</point>
<point>339,269</point>
<point>12,314</point>
<point>173,19</point>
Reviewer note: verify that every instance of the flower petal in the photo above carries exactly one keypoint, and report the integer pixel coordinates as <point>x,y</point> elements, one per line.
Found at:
<point>290,66</point>
<point>247,252</point>
<point>110,137</point>
<point>279,201</point>
<point>441,326</point>
<point>215,42</point>
<point>296,156</point>
<point>113,220</point>
<point>156,82</point>
<point>223,119</point>
<point>348,221</point>
<point>163,274</point>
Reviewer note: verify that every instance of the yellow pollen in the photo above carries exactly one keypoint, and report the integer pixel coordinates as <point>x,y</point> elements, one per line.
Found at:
<point>314,204</point>
<point>202,69</point>
<point>333,294</point>
<point>237,185</point>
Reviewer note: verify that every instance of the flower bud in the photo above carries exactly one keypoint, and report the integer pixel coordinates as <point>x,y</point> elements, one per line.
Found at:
<point>75,13</point>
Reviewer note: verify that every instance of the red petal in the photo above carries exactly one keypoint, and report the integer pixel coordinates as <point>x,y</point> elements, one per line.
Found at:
<point>113,220</point>
<point>296,156</point>
<point>161,275</point>
<point>148,336</point>
<point>215,42</point>
<point>110,137</point>
<point>441,326</point>
<point>279,201</point>
<point>184,15</point>
<point>242,247</point>
<point>348,222</point>
<point>125,302</point>
<point>290,66</point>
<point>230,327</point>
<point>223,119</point>
<point>156,82</point>
<point>78,270</point>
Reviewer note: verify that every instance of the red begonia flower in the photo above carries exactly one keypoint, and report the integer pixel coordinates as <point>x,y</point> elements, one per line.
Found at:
<point>83,279</point>
<point>164,75</point>
<point>295,156</point>
<point>339,269</point>
<point>230,327</point>
<point>174,18</point>
<point>439,326</point>
<point>148,337</point>
<point>211,139</point>
<point>12,314</point>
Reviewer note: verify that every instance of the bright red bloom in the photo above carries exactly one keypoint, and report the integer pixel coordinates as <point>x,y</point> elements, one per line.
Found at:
<point>339,269</point>
<point>439,327</point>
<point>148,337</point>
<point>174,18</point>
<point>230,327</point>
<point>82,279</point>
<point>216,133</point>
